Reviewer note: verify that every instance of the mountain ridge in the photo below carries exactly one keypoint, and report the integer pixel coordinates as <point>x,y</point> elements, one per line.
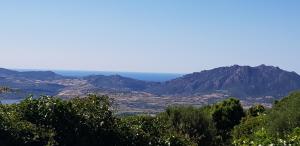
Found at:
<point>253,81</point>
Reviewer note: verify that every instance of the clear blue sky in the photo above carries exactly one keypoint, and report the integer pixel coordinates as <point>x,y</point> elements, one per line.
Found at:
<point>149,35</point>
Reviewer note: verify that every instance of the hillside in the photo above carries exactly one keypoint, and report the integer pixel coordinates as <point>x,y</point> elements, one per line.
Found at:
<point>31,82</point>
<point>30,75</point>
<point>119,83</point>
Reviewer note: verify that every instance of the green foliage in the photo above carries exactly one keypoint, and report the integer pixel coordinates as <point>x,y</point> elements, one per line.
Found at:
<point>285,115</point>
<point>243,133</point>
<point>277,126</point>
<point>51,121</point>
<point>79,122</point>
<point>191,121</point>
<point>225,116</point>
<point>146,130</point>
<point>14,130</point>
<point>256,110</point>
<point>98,125</point>
<point>294,137</point>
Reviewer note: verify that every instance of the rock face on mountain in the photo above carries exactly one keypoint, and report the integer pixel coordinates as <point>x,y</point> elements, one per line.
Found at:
<point>241,81</point>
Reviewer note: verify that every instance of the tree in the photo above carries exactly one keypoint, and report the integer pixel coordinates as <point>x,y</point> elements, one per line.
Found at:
<point>226,115</point>
<point>256,110</point>
<point>191,121</point>
<point>277,126</point>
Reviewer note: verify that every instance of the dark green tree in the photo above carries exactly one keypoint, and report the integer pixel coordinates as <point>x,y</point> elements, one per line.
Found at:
<point>226,115</point>
<point>191,121</point>
<point>256,110</point>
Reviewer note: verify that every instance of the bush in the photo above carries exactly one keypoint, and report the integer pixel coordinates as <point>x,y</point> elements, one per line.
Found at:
<point>225,116</point>
<point>190,121</point>
<point>256,110</point>
<point>14,130</point>
<point>79,122</point>
<point>277,126</point>
<point>92,121</point>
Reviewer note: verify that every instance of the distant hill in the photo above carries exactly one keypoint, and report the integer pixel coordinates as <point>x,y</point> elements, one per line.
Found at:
<point>31,75</point>
<point>240,81</point>
<point>31,82</point>
<point>117,82</point>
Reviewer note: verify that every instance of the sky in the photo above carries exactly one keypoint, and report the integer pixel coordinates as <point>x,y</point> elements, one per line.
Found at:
<point>173,36</point>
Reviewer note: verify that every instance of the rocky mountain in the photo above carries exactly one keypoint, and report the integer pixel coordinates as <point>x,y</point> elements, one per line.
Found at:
<point>240,81</point>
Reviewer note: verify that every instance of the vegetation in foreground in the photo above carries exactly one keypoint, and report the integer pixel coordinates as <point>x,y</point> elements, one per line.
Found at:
<point>92,121</point>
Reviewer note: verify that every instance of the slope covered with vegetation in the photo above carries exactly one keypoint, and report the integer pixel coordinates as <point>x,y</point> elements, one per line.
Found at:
<point>92,121</point>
